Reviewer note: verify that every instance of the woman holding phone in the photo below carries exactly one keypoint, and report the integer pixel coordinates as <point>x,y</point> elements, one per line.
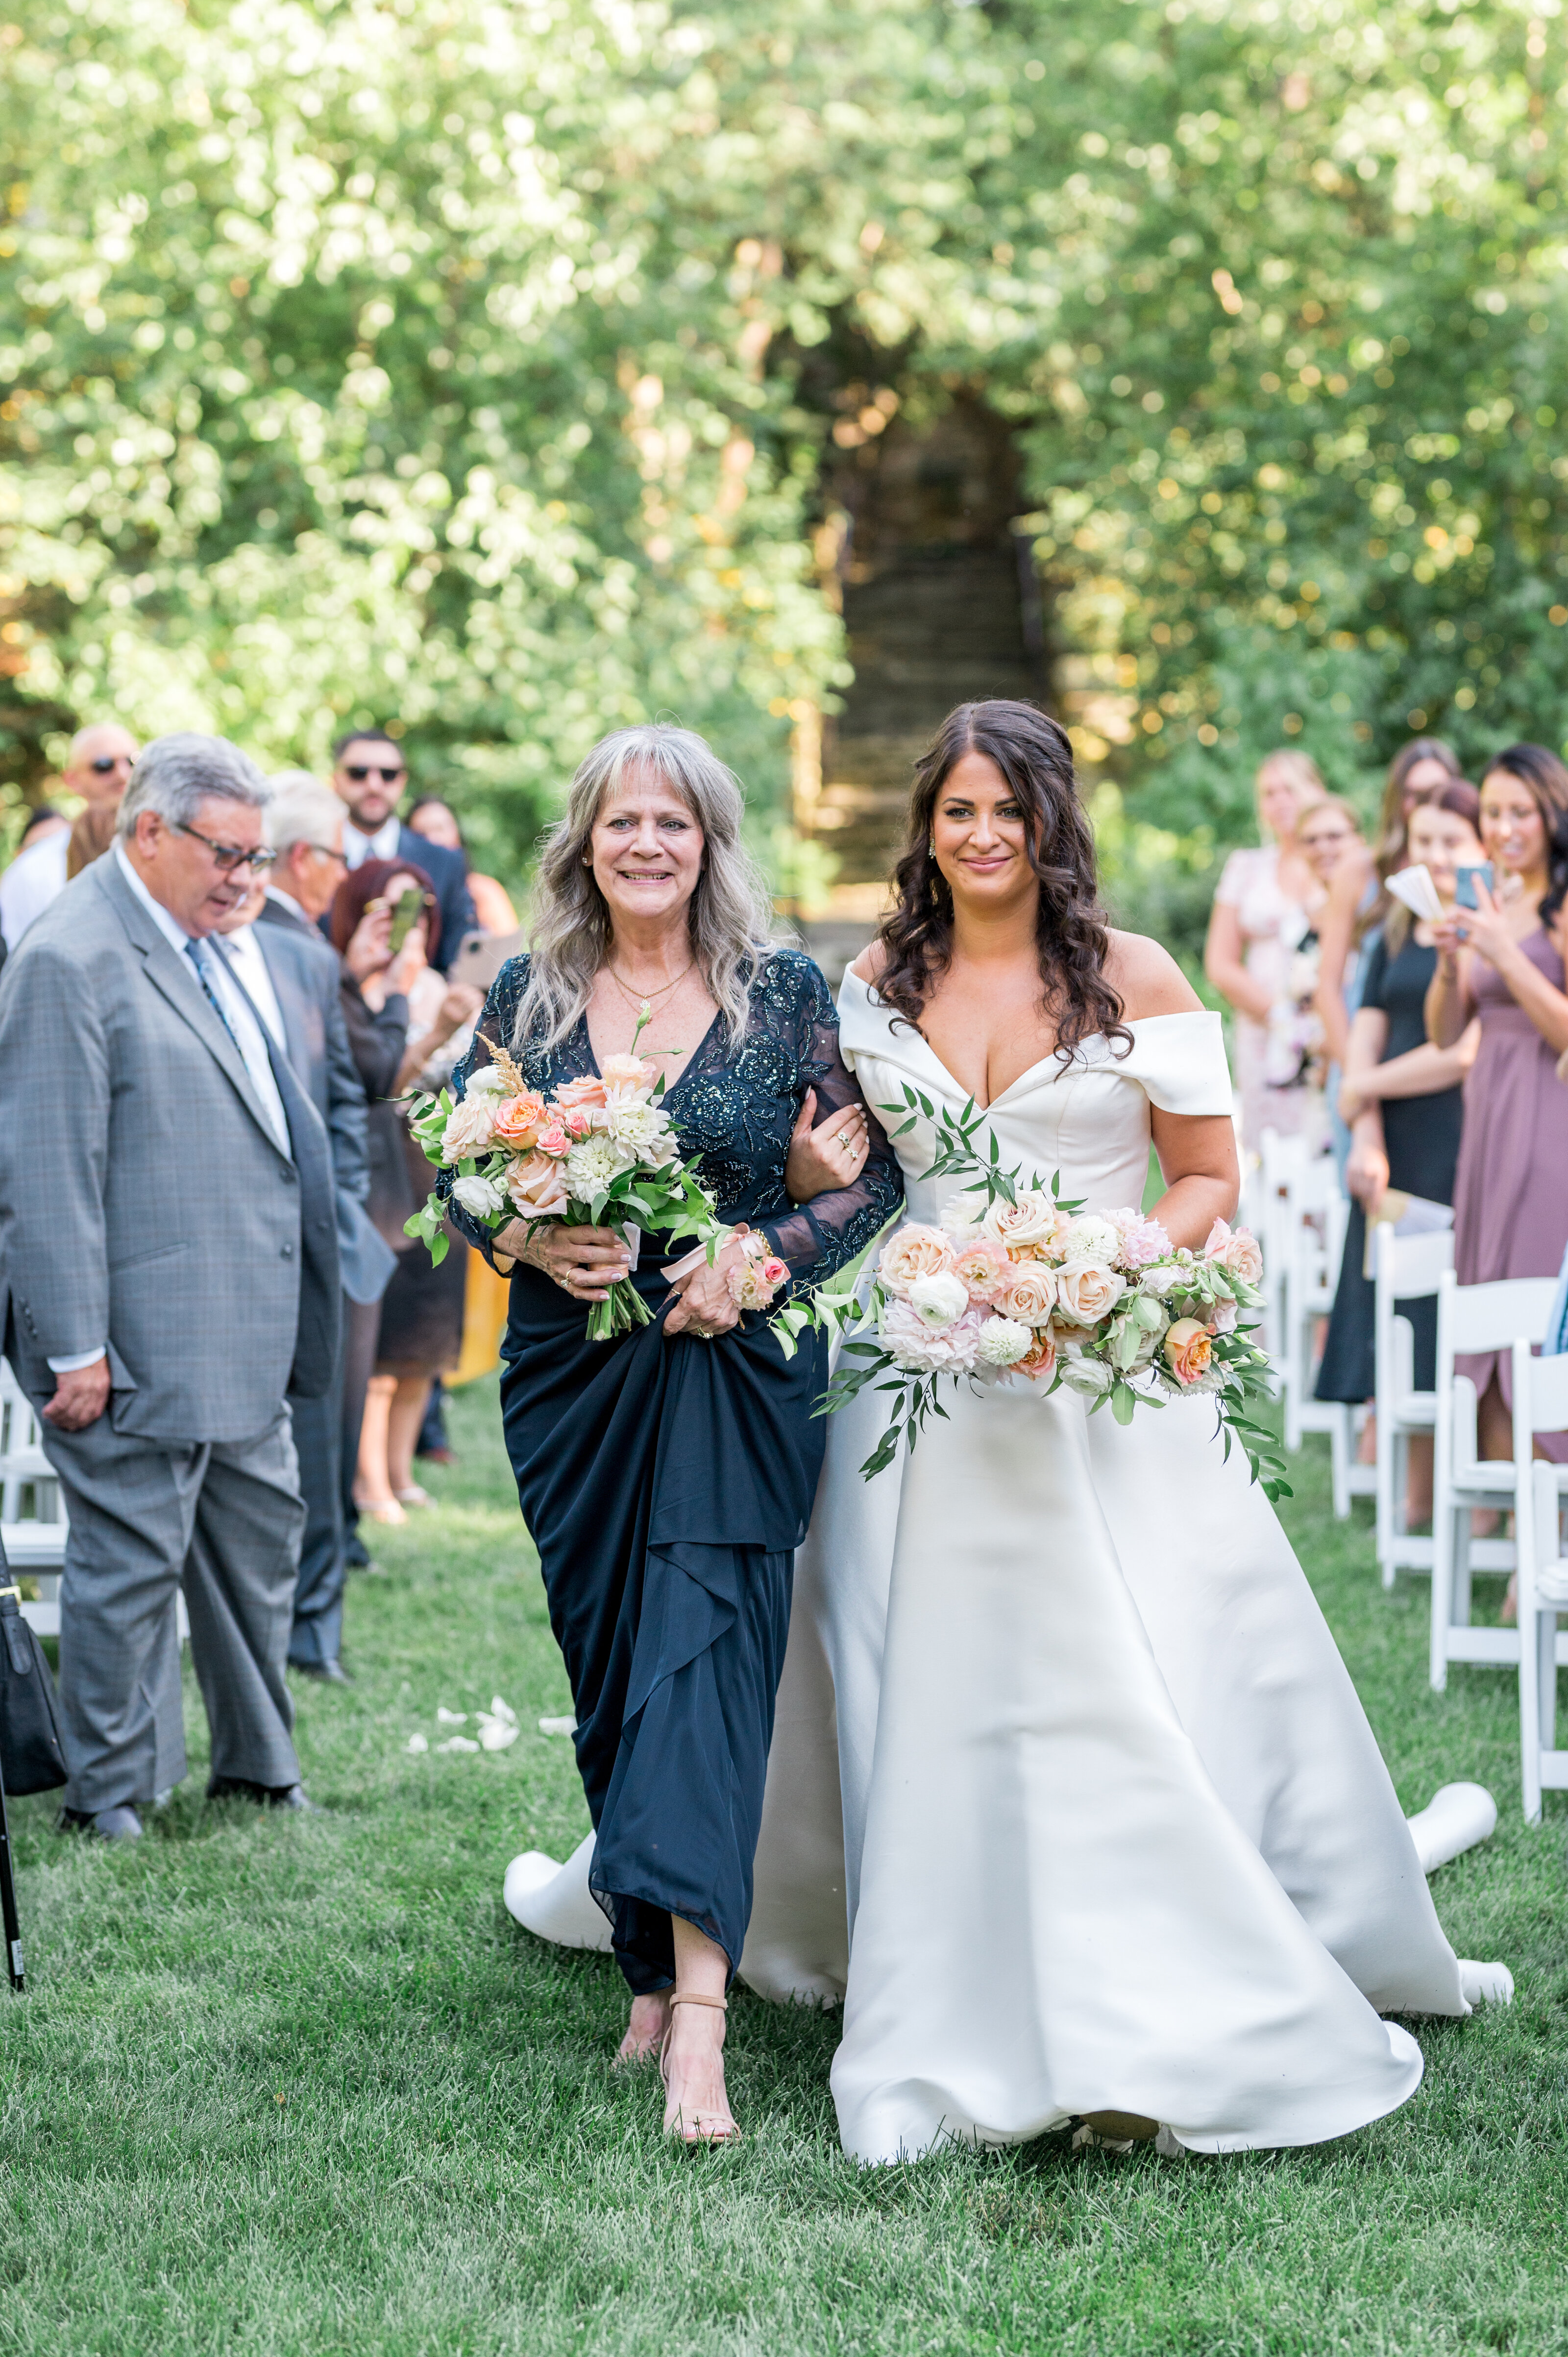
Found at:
<point>1498,961</point>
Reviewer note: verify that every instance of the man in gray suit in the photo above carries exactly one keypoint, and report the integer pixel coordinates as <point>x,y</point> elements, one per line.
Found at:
<point>291,975</point>
<point>168,1273</point>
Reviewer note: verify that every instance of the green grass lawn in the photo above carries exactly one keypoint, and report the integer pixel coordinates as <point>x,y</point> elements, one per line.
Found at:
<point>304,2087</point>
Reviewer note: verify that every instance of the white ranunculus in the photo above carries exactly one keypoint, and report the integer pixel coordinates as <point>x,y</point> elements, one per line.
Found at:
<point>483,1081</point>
<point>1088,1238</point>
<point>1159,1281</point>
<point>1089,1376</point>
<point>482,1197</point>
<point>939,1300</point>
<point>591,1166</point>
<point>1003,1342</point>
<point>634,1123</point>
<point>962,1215</point>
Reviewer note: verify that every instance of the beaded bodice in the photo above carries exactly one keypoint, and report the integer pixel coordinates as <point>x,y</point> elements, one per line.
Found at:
<point>735,1112</point>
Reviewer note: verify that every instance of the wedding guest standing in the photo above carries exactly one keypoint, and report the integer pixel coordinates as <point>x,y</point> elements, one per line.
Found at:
<point>421,1331</point>
<point>168,1274</point>
<point>1358,901</point>
<point>1499,961</point>
<point>1404,1101</point>
<point>666,1478</point>
<point>96,767</point>
<point>1263,908</point>
<point>370,777</point>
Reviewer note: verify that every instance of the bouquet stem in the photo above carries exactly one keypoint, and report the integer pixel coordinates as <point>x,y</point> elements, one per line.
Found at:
<point>623,1310</point>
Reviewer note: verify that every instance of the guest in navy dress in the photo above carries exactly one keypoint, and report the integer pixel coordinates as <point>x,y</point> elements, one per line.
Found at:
<point>667,1476</point>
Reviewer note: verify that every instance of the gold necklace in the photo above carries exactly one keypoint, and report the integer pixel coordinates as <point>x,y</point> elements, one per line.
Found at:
<point>646,997</point>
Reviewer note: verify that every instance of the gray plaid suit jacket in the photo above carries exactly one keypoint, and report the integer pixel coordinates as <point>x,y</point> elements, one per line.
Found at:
<point>143,1201</point>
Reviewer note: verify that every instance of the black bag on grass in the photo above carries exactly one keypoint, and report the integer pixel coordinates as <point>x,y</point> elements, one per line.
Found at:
<point>31,1759</point>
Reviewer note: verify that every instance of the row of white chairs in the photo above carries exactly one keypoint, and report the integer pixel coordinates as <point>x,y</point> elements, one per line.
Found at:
<point>1301,1217</point>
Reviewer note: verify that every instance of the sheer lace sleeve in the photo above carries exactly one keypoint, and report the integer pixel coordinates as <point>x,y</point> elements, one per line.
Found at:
<point>820,1237</point>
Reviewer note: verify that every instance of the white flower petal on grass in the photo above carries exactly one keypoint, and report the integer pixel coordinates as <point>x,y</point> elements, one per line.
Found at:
<point>444,1717</point>
<point>500,1709</point>
<point>494,1734</point>
<point>558,1727</point>
<point>417,1743</point>
<point>458,1743</point>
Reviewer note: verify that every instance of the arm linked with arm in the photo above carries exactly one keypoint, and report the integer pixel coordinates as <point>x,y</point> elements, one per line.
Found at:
<point>824,1235</point>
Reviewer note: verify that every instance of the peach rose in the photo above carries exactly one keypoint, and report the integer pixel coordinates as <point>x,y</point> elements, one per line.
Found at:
<point>536,1187</point>
<point>983,1266</point>
<point>1088,1289</point>
<point>1034,1219</point>
<point>553,1140</point>
<point>470,1130</point>
<point>1040,1364</point>
<point>589,1091</point>
<point>628,1076</point>
<point>517,1120</point>
<point>1236,1249</point>
<point>1029,1294</point>
<point>578,1122</point>
<point>1186,1349</point>
<point>913,1251</point>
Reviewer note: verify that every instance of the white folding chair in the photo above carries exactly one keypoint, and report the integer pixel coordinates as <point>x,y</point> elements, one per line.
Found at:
<point>1481,1318</point>
<point>1308,1213</point>
<point>32,1514</point>
<point>1540,1405</point>
<point>1408,1268</point>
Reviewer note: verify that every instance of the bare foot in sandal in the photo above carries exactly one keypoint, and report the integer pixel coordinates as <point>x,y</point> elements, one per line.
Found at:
<point>696,2107</point>
<point>646,2029</point>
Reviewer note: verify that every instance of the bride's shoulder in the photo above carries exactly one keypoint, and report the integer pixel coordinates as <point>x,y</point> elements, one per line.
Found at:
<point>1147,979</point>
<point>868,966</point>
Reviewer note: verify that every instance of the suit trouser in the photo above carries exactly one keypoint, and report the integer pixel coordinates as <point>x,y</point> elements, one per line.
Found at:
<point>317,1631</point>
<point>221,1518</point>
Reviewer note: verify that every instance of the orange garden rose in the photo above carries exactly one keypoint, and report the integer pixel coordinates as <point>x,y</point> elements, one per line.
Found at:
<point>517,1121</point>
<point>1188,1350</point>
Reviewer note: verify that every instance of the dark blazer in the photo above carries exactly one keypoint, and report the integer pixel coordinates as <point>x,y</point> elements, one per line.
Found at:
<point>304,972</point>
<point>145,1203</point>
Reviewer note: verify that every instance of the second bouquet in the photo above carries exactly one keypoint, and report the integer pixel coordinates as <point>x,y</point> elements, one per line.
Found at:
<point>599,1152</point>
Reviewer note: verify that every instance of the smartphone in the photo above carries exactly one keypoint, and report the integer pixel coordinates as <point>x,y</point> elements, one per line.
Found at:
<point>1465,884</point>
<point>408,908</point>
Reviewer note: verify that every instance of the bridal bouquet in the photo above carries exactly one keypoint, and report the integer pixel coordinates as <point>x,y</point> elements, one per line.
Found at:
<point>1017,1286</point>
<point>601,1152</point>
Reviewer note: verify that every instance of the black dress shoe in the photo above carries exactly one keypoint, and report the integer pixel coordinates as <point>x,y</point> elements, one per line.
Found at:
<point>330,1674</point>
<point>118,1823</point>
<point>266,1796</point>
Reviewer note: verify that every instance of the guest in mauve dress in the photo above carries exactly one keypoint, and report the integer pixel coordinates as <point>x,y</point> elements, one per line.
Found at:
<point>1500,960</point>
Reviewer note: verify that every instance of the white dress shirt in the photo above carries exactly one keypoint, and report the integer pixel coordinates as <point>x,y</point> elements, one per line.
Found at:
<point>33,880</point>
<point>383,845</point>
<point>243,951</point>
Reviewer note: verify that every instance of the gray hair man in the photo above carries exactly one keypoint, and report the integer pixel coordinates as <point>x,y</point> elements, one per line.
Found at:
<point>96,767</point>
<point>294,977</point>
<point>168,1273</point>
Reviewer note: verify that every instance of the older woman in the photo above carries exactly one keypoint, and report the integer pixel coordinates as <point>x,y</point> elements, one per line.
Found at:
<point>667,1476</point>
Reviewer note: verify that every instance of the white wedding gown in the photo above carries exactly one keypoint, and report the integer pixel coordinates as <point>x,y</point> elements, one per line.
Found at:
<point>1065,1754</point>
<point>1071,1796</point>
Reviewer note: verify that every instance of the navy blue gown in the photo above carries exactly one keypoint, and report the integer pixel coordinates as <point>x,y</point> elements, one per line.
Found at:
<point>667,1484</point>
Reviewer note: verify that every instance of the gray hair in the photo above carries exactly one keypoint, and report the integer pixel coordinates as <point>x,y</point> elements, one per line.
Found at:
<point>301,811</point>
<point>175,774</point>
<point>730,915</point>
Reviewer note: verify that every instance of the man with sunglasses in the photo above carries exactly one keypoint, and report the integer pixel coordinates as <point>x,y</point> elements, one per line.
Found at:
<point>370,777</point>
<point>97,768</point>
<point>169,1276</point>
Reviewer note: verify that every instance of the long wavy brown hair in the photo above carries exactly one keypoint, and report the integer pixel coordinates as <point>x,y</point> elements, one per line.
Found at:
<point>1034,756</point>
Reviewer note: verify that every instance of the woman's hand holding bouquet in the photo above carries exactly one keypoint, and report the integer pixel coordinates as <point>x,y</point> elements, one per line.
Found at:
<point>1018,1286</point>
<point>600,1153</point>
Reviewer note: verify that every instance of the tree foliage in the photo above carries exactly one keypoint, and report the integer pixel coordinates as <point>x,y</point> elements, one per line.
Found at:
<point>450,360</point>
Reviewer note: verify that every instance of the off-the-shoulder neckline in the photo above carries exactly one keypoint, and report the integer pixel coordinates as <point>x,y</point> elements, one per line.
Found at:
<point>1136,1023</point>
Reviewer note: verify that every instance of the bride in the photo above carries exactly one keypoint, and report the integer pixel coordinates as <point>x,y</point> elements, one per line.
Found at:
<point>1070,1793</point>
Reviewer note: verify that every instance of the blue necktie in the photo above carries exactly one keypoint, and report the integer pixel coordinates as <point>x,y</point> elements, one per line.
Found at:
<point>197,952</point>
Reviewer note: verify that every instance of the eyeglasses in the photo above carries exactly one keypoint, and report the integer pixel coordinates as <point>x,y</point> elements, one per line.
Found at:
<point>325,851</point>
<point>361,770</point>
<point>225,856</point>
<point>107,761</point>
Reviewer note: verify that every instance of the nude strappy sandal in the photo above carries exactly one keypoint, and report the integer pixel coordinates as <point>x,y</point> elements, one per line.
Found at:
<point>694,2131</point>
